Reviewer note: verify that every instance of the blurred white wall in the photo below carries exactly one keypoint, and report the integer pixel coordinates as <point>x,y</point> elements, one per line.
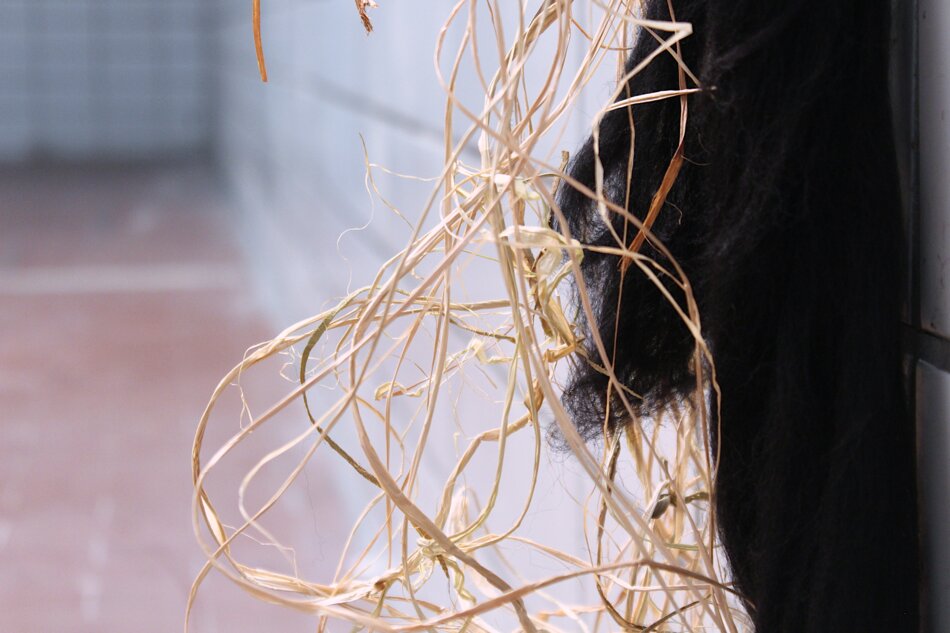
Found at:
<point>103,79</point>
<point>291,149</point>
<point>291,152</point>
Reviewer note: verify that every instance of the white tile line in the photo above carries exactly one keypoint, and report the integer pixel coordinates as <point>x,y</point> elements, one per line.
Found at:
<point>70,280</point>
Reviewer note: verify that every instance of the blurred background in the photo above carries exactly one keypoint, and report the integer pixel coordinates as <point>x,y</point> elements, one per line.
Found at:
<point>161,210</point>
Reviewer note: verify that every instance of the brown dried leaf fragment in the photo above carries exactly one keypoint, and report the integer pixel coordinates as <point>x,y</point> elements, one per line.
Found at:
<point>362,6</point>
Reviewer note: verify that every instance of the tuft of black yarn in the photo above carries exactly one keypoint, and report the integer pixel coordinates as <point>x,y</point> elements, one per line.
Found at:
<point>786,219</point>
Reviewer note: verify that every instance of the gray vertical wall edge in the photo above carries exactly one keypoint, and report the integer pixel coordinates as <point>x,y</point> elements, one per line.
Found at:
<point>922,113</point>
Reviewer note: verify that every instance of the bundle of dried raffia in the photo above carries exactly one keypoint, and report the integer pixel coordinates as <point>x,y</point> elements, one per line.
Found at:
<point>389,364</point>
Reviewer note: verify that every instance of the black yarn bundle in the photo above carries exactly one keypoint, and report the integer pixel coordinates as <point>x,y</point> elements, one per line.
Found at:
<point>786,219</point>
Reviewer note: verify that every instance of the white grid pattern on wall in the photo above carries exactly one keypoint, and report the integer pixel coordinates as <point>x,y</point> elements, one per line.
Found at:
<point>103,78</point>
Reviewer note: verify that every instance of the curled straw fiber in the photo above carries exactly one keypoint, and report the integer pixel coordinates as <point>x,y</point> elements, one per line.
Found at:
<point>649,559</point>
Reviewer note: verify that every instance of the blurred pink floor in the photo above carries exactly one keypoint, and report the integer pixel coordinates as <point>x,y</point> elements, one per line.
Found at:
<point>122,302</point>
